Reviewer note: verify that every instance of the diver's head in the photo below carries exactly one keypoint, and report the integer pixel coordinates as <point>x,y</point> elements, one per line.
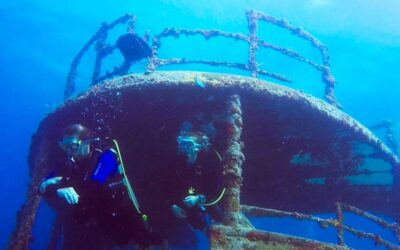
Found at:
<point>76,141</point>
<point>191,143</point>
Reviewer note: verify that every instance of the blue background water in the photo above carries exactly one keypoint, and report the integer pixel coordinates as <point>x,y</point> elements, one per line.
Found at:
<point>38,40</point>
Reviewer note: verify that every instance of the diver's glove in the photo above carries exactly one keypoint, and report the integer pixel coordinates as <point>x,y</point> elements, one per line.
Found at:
<point>193,200</point>
<point>52,181</point>
<point>178,212</point>
<point>68,194</point>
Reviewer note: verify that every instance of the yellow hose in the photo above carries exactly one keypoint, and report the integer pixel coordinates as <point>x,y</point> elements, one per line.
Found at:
<point>217,200</point>
<point>132,194</point>
<point>125,180</point>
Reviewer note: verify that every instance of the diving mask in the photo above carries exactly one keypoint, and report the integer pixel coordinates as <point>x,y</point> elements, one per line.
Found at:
<point>190,145</point>
<point>70,144</point>
<point>74,146</point>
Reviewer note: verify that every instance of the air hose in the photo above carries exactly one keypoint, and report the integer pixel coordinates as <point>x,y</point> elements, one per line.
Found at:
<point>127,184</point>
<point>217,200</point>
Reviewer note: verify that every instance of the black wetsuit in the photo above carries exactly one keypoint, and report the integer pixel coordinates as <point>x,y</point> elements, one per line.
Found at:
<point>104,216</point>
<point>204,176</point>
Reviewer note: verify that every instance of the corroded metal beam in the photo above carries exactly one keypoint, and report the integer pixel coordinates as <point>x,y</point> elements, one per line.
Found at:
<point>391,226</point>
<point>22,236</point>
<point>253,211</point>
<point>336,223</point>
<point>225,237</point>
<point>232,165</point>
<point>252,24</point>
<point>250,90</point>
<point>163,62</point>
<point>101,35</point>
<point>207,34</point>
<point>379,241</point>
<point>327,77</point>
<point>339,226</point>
<point>253,18</point>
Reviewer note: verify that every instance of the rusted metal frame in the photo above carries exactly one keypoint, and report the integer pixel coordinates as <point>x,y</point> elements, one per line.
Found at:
<point>155,62</point>
<point>119,70</point>
<point>207,34</point>
<point>391,226</point>
<point>375,237</point>
<point>22,236</point>
<point>164,62</point>
<point>71,77</point>
<point>324,223</point>
<point>103,50</point>
<point>152,63</point>
<point>291,53</point>
<point>70,83</point>
<point>258,212</point>
<point>283,23</point>
<point>280,77</point>
<point>252,23</point>
<point>225,237</point>
<point>296,243</point>
<point>253,17</point>
<point>233,158</point>
<point>327,76</point>
<point>339,226</point>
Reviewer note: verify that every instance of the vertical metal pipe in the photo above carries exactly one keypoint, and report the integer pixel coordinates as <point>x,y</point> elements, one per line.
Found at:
<point>152,63</point>
<point>232,163</point>
<point>22,235</point>
<point>252,22</point>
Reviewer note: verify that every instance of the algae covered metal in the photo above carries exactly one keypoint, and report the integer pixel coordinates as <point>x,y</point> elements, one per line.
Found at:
<point>142,111</point>
<point>281,149</point>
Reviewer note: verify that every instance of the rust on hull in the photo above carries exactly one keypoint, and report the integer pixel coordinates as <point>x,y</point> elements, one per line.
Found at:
<point>265,124</point>
<point>225,237</point>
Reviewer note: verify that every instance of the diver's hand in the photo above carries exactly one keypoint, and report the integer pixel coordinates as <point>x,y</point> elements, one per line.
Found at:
<point>52,181</point>
<point>192,200</point>
<point>68,194</point>
<point>178,212</point>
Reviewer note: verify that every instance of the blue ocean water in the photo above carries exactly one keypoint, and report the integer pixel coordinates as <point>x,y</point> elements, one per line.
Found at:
<point>39,40</point>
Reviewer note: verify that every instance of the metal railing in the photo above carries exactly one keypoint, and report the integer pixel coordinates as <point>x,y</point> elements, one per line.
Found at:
<point>253,19</point>
<point>252,66</point>
<point>337,223</point>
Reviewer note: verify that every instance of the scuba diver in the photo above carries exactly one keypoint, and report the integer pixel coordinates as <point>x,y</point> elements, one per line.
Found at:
<point>193,187</point>
<point>93,197</point>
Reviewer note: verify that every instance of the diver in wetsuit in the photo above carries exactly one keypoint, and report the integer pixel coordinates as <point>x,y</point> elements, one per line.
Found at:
<point>193,187</point>
<point>89,193</point>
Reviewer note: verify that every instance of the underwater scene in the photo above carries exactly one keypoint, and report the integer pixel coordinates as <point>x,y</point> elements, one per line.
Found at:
<point>182,124</point>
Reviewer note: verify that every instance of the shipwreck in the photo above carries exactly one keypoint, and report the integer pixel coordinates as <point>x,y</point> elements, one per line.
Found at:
<point>285,153</point>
